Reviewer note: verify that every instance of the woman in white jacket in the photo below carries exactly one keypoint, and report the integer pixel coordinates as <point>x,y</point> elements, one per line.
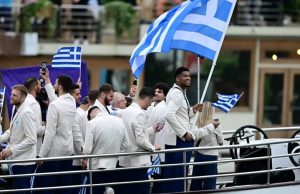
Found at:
<point>208,134</point>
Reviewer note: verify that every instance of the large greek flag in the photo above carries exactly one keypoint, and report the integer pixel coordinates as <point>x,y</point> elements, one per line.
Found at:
<point>226,102</point>
<point>198,26</point>
<point>67,57</point>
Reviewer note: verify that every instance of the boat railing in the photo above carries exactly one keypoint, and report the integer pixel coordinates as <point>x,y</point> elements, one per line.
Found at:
<point>186,164</point>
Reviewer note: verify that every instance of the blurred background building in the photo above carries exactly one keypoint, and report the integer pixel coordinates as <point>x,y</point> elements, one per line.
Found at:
<point>260,55</point>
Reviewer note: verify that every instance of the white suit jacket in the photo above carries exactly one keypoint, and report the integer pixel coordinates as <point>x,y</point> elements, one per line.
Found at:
<point>58,140</point>
<point>106,134</point>
<point>178,115</point>
<point>79,130</point>
<point>21,135</point>
<point>36,108</point>
<point>135,120</point>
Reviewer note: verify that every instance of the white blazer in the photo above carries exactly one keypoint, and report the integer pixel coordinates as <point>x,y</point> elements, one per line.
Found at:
<point>178,115</point>
<point>58,140</point>
<point>36,108</point>
<point>106,134</point>
<point>135,121</point>
<point>21,135</point>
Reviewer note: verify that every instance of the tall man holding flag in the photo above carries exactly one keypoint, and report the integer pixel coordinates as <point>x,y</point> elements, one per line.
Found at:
<point>178,116</point>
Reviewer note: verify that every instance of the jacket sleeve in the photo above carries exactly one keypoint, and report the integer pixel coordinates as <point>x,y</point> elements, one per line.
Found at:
<point>125,141</point>
<point>139,127</point>
<point>52,118</point>
<point>29,127</point>
<point>50,92</point>
<point>219,135</point>
<point>204,131</point>
<point>89,139</point>
<point>172,107</point>
<point>77,133</point>
<point>5,136</point>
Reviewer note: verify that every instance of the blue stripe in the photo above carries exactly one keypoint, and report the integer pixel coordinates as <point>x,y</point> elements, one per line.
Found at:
<point>193,47</point>
<point>202,29</point>
<point>223,10</point>
<point>220,107</point>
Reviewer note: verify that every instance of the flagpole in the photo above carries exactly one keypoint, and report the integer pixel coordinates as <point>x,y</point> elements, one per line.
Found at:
<point>198,78</point>
<point>207,82</point>
<point>2,101</point>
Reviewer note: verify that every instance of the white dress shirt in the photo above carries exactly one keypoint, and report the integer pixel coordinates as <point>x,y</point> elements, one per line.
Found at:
<point>135,120</point>
<point>178,115</point>
<point>21,135</point>
<point>36,108</point>
<point>105,134</point>
<point>58,140</point>
<point>79,129</point>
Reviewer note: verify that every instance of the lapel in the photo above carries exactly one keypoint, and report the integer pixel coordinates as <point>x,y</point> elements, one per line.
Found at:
<point>16,116</point>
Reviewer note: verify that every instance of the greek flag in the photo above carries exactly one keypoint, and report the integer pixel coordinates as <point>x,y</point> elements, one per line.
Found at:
<point>67,57</point>
<point>226,102</point>
<point>198,26</point>
<point>154,170</point>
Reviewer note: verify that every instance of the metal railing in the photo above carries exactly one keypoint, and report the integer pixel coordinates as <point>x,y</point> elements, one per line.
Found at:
<point>186,164</point>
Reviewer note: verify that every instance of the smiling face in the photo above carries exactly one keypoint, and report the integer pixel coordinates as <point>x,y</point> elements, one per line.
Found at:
<point>184,79</point>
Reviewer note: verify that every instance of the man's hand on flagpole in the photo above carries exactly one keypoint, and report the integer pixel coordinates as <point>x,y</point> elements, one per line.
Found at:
<point>157,147</point>
<point>198,107</point>
<point>45,75</point>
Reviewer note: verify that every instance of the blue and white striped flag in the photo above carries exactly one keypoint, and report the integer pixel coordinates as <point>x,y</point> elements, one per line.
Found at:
<point>198,26</point>
<point>67,57</point>
<point>154,170</point>
<point>226,102</point>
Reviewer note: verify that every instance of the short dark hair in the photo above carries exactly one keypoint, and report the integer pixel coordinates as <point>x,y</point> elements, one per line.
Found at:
<point>30,82</point>
<point>66,82</point>
<point>93,95</point>
<point>179,70</point>
<point>146,92</point>
<point>90,110</point>
<point>162,86</point>
<point>105,88</point>
<point>84,100</point>
<point>21,88</point>
<point>74,87</point>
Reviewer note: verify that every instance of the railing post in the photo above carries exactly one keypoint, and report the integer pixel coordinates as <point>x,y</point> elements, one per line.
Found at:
<point>184,172</point>
<point>91,176</point>
<point>269,163</point>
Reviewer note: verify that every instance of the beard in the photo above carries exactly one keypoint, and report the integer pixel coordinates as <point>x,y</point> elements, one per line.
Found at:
<point>106,101</point>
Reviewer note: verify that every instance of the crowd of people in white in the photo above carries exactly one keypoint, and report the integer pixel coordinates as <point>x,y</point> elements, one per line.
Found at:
<point>107,122</point>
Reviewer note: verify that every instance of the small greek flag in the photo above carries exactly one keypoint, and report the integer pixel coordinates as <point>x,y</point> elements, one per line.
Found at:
<point>67,57</point>
<point>156,169</point>
<point>198,26</point>
<point>83,182</point>
<point>226,102</point>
